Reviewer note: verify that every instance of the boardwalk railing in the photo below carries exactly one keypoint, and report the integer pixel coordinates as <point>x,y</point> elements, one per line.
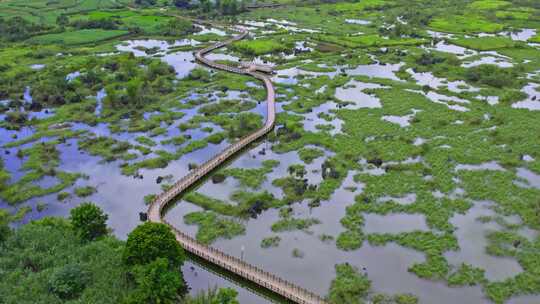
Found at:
<point>215,256</point>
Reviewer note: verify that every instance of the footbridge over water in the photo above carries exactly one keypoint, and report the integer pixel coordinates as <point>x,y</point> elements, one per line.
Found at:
<point>239,267</point>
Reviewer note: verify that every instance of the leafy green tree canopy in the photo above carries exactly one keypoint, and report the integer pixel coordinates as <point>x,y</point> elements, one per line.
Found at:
<point>4,227</point>
<point>89,221</point>
<point>150,241</point>
<point>69,281</point>
<point>156,283</point>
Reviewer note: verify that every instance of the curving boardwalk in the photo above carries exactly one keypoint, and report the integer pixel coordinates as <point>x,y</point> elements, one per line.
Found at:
<point>265,279</point>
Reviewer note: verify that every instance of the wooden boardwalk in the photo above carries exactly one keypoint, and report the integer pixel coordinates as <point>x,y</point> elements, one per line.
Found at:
<point>252,273</point>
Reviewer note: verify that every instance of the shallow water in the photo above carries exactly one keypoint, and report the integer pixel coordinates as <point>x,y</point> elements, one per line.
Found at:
<point>445,100</point>
<point>182,62</point>
<point>532,102</point>
<point>353,92</point>
<point>443,46</point>
<point>210,30</point>
<point>484,166</point>
<point>394,223</point>
<point>523,34</point>
<point>402,121</point>
<point>37,66</point>
<point>404,200</point>
<point>312,119</point>
<point>377,70</point>
<point>532,179</point>
<point>357,21</point>
<point>471,234</point>
<point>488,60</point>
<point>428,79</point>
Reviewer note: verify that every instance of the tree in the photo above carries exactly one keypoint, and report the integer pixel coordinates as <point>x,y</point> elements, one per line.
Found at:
<point>134,91</point>
<point>214,296</point>
<point>227,296</point>
<point>178,27</point>
<point>62,20</point>
<point>88,221</point>
<point>156,283</point>
<point>4,226</point>
<point>68,282</point>
<point>205,6</point>
<point>18,28</point>
<point>150,241</point>
<point>349,286</point>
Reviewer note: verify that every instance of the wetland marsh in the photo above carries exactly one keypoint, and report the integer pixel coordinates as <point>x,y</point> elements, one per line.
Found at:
<point>404,166</point>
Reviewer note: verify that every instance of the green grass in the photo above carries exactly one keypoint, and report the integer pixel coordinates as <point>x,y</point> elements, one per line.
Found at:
<point>359,6</point>
<point>143,19</point>
<point>213,226</point>
<point>349,286</point>
<point>465,24</point>
<point>535,39</point>
<point>310,154</point>
<point>466,275</point>
<point>289,224</point>
<point>367,41</point>
<point>272,241</point>
<point>46,12</point>
<point>260,46</point>
<point>252,177</point>
<point>85,191</point>
<point>485,43</point>
<point>78,37</point>
<point>489,4</point>
<point>513,15</point>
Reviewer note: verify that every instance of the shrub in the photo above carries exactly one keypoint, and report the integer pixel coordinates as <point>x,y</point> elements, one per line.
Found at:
<point>349,286</point>
<point>199,74</point>
<point>491,75</point>
<point>4,227</point>
<point>85,191</point>
<point>88,221</point>
<point>156,283</point>
<point>150,241</point>
<point>221,296</point>
<point>68,282</point>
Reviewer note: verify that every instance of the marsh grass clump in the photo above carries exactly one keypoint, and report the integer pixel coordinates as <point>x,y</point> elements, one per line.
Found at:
<point>491,75</point>
<point>252,178</point>
<point>297,253</point>
<point>309,154</point>
<point>289,224</point>
<point>262,46</point>
<point>466,275</point>
<point>85,191</point>
<point>213,226</point>
<point>349,286</point>
<point>272,241</point>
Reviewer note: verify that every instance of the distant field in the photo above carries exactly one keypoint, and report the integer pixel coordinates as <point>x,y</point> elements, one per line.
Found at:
<point>489,4</point>
<point>78,37</point>
<point>148,23</point>
<point>367,41</point>
<point>357,6</point>
<point>46,11</point>
<point>260,46</point>
<point>465,24</point>
<point>485,43</point>
<point>513,15</point>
